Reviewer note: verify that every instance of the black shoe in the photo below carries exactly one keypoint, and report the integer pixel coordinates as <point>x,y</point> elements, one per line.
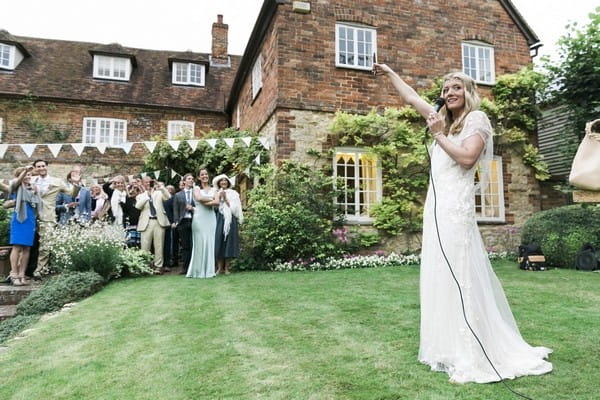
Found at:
<point>7,280</point>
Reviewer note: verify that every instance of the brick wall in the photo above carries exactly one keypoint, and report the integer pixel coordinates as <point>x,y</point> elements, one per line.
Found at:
<point>143,124</point>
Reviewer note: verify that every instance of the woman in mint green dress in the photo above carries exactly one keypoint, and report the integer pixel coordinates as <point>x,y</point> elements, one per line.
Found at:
<point>204,223</point>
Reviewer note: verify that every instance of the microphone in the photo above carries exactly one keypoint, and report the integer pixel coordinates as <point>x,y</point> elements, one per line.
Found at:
<point>438,104</point>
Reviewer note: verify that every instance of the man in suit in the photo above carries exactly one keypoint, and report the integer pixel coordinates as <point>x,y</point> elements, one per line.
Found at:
<point>48,188</point>
<point>171,246</point>
<point>183,211</point>
<point>153,219</point>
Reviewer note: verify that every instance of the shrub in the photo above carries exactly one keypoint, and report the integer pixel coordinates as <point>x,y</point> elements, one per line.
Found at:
<point>134,262</point>
<point>5,216</point>
<point>562,231</point>
<point>291,215</point>
<point>60,290</point>
<point>11,327</point>
<point>96,247</point>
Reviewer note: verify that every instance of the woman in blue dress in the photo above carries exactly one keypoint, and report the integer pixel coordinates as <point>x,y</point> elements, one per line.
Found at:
<point>22,224</point>
<point>204,223</point>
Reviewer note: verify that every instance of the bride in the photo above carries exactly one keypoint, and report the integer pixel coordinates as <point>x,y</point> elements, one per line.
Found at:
<point>463,332</point>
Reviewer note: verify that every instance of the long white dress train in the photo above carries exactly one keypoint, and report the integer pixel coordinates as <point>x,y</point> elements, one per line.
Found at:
<point>446,342</point>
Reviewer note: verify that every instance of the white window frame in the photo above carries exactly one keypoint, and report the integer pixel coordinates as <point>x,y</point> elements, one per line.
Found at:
<point>188,74</point>
<point>7,56</point>
<point>109,131</point>
<point>113,68</point>
<point>361,51</point>
<point>257,79</point>
<point>179,128</point>
<point>1,127</point>
<point>489,202</point>
<point>352,198</point>
<point>478,62</point>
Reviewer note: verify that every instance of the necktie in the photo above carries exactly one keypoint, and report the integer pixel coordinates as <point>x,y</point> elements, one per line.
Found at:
<point>152,209</point>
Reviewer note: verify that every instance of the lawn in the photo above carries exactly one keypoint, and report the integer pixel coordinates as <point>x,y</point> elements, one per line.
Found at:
<point>346,334</point>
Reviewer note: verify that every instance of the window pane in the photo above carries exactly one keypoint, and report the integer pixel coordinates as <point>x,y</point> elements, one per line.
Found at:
<point>4,55</point>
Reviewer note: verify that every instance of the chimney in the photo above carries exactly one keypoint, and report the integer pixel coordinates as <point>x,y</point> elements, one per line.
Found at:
<point>219,41</point>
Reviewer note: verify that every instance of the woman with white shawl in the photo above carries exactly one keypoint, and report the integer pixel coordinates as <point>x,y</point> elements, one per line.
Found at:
<point>229,217</point>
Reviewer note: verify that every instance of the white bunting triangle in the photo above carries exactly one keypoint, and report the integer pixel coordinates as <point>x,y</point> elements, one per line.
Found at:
<point>156,174</point>
<point>173,174</point>
<point>232,180</point>
<point>211,142</point>
<point>229,142</point>
<point>126,146</point>
<point>174,144</point>
<point>247,140</point>
<point>247,171</point>
<point>54,148</point>
<point>78,147</point>
<point>193,144</point>
<point>257,159</point>
<point>101,147</point>
<point>150,146</point>
<point>264,141</point>
<point>3,148</point>
<point>130,178</point>
<point>143,174</point>
<point>28,148</point>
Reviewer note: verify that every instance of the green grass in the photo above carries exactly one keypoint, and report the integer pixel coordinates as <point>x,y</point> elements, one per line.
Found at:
<point>347,334</point>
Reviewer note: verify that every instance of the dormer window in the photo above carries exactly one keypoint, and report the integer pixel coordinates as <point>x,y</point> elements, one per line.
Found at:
<point>188,74</point>
<point>110,67</point>
<point>10,56</point>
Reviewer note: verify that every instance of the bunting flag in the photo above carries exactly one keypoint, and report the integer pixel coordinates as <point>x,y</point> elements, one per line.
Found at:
<point>130,178</point>
<point>78,147</point>
<point>247,171</point>
<point>174,174</point>
<point>257,159</point>
<point>265,142</point>
<point>232,180</point>
<point>101,147</point>
<point>247,140</point>
<point>143,174</point>
<point>3,148</point>
<point>193,144</point>
<point>55,148</point>
<point>28,148</point>
<point>150,146</point>
<point>211,142</point>
<point>156,174</point>
<point>174,144</point>
<point>229,142</point>
<point>126,146</point>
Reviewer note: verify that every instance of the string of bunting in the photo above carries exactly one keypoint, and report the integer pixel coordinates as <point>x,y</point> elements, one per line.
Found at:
<point>29,148</point>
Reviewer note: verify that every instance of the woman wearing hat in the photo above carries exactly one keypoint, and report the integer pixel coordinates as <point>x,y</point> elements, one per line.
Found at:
<point>229,217</point>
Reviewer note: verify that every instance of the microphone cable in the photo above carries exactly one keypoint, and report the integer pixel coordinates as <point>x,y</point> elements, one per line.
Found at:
<point>462,301</point>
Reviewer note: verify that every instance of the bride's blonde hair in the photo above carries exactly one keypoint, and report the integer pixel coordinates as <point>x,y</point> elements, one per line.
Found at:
<point>472,102</point>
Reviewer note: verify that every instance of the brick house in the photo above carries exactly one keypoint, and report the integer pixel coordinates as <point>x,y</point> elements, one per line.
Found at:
<point>304,61</point>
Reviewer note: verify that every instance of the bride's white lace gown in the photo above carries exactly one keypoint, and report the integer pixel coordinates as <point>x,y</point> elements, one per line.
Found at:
<point>446,342</point>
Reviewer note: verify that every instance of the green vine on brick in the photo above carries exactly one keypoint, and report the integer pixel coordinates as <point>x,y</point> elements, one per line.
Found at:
<point>37,123</point>
<point>396,138</point>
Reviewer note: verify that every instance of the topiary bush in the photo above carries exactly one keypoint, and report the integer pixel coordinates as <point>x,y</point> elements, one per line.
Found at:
<point>562,231</point>
<point>60,290</point>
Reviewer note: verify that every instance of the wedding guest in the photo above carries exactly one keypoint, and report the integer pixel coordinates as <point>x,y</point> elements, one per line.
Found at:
<point>204,223</point>
<point>170,247</point>
<point>100,204</point>
<point>131,216</point>
<point>23,223</point>
<point>117,193</point>
<point>67,206</point>
<point>48,188</point>
<point>229,217</point>
<point>153,219</point>
<point>183,211</point>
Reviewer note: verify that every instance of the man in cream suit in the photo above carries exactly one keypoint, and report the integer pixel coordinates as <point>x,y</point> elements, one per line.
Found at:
<point>153,219</point>
<point>48,188</point>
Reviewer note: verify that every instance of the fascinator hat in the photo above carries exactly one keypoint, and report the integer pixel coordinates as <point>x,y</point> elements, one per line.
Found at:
<point>218,178</point>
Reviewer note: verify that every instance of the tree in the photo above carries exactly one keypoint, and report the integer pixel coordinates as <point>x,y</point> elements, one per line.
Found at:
<point>576,76</point>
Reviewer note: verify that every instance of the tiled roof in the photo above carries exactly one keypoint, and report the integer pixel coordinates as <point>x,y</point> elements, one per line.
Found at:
<point>59,69</point>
